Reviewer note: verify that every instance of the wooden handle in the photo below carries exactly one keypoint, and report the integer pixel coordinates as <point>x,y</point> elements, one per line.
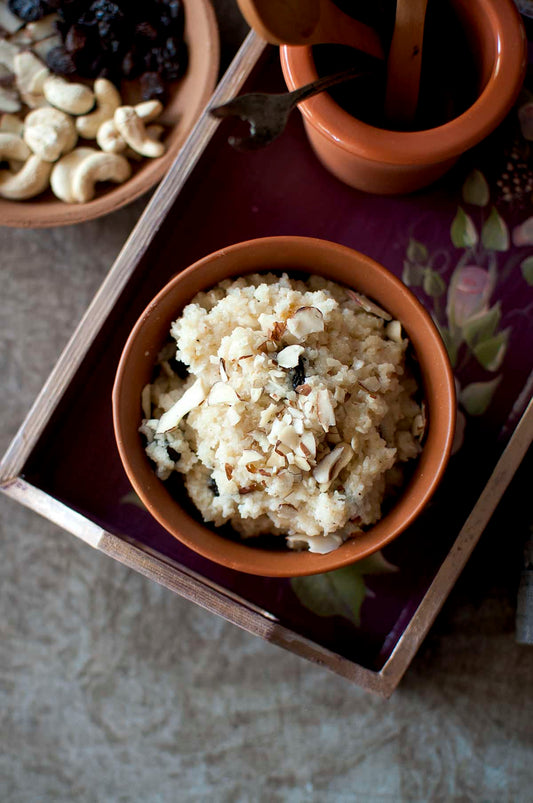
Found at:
<point>308,22</point>
<point>405,60</point>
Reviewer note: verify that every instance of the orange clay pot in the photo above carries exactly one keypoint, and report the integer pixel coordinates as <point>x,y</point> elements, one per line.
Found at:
<point>390,162</point>
<point>294,254</point>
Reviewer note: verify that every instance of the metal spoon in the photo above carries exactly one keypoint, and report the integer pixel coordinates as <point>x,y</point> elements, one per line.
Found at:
<point>267,114</point>
<point>308,22</point>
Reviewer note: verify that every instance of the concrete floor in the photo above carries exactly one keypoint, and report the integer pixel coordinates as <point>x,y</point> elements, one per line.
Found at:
<point>114,689</point>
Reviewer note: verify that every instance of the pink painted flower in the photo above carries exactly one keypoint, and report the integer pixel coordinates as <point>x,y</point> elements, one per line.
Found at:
<point>523,234</point>
<point>469,294</point>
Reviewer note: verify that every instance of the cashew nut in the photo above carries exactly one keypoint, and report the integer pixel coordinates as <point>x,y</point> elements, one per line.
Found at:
<point>12,147</point>
<point>69,97</point>
<point>132,128</point>
<point>107,100</point>
<point>148,110</point>
<point>62,172</point>
<point>49,133</point>
<point>98,167</point>
<point>31,180</point>
<point>11,124</point>
<point>109,139</point>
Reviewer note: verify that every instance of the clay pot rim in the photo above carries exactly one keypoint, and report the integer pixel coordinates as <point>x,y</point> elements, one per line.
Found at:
<point>431,145</point>
<point>140,349</point>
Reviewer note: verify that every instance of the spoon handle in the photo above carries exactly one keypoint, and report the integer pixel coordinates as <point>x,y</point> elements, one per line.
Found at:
<point>405,60</point>
<point>307,91</point>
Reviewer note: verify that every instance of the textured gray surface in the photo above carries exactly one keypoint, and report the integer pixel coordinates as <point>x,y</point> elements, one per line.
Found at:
<point>114,689</point>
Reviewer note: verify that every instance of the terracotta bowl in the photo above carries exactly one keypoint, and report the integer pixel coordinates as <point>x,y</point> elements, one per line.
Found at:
<point>295,254</point>
<point>389,162</point>
<point>186,103</point>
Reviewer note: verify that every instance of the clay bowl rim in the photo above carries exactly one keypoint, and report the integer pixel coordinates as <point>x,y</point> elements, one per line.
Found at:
<point>431,145</point>
<point>46,211</point>
<point>294,254</point>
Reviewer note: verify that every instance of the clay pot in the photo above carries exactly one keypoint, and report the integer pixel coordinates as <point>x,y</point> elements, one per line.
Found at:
<point>390,162</point>
<point>294,254</point>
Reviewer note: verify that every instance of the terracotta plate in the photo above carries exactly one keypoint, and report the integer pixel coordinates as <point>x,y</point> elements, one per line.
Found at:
<point>185,106</point>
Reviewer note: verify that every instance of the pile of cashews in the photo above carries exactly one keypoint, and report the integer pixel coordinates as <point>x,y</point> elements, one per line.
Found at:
<point>41,149</point>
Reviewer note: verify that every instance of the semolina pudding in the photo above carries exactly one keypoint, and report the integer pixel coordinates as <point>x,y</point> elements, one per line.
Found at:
<point>295,413</point>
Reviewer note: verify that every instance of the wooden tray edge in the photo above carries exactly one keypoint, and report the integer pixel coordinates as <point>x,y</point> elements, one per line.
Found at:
<point>124,265</point>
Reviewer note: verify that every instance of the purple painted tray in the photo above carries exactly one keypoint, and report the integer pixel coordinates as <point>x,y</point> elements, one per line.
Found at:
<point>464,246</point>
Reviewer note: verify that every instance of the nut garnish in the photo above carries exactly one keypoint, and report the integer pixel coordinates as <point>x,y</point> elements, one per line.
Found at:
<point>305,321</point>
<point>221,393</point>
<point>368,305</point>
<point>325,412</point>
<point>222,370</point>
<point>303,390</point>
<point>393,330</point>
<point>278,330</point>
<point>192,397</point>
<point>289,356</point>
<point>332,464</point>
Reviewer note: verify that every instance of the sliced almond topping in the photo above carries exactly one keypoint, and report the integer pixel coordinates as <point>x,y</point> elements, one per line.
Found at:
<point>251,456</point>
<point>275,460</point>
<point>249,488</point>
<point>393,330</point>
<point>289,356</point>
<point>308,444</point>
<point>305,321</point>
<point>366,389</point>
<point>264,472</point>
<point>304,390</point>
<point>368,305</point>
<point>221,393</point>
<point>288,435</point>
<point>331,465</point>
<point>298,425</point>
<point>222,369</point>
<point>277,331</point>
<point>192,397</point>
<point>325,412</point>
<point>228,468</point>
<point>302,463</point>
<point>255,394</point>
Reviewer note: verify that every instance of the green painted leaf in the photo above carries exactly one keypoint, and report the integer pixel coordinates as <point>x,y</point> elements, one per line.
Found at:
<point>413,275</point>
<point>495,234</point>
<point>527,269</point>
<point>490,353</point>
<point>463,232</point>
<point>452,346</point>
<point>341,592</point>
<point>417,252</point>
<point>477,396</point>
<point>482,327</point>
<point>476,190</point>
<point>434,285</point>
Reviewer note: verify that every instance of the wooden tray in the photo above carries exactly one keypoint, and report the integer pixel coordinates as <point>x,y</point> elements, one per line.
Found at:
<point>63,462</point>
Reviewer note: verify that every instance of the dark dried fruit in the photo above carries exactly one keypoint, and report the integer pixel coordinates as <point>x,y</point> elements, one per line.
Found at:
<point>145,30</point>
<point>179,368</point>
<point>173,454</point>
<point>175,59</point>
<point>212,485</point>
<point>152,87</point>
<point>76,39</point>
<point>60,61</point>
<point>297,375</point>
<point>29,10</point>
